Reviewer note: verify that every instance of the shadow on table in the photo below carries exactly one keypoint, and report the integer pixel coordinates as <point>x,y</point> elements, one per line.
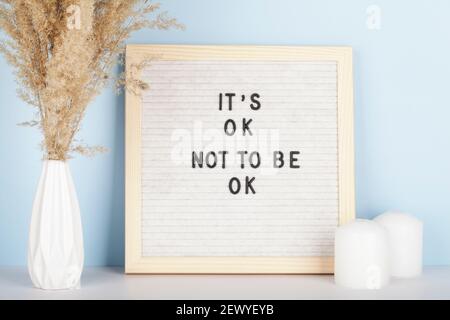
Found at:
<point>15,277</point>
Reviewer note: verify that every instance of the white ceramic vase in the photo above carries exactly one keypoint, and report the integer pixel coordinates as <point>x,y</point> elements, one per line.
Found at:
<point>55,252</point>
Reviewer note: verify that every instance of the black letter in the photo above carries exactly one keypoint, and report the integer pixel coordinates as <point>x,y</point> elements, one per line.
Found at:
<point>278,156</point>
<point>245,126</point>
<point>242,153</point>
<point>294,159</point>
<point>230,185</point>
<point>258,104</point>
<point>196,159</point>
<point>248,185</point>
<point>226,126</point>
<point>223,153</point>
<point>208,163</point>
<point>257,157</point>
<point>230,99</point>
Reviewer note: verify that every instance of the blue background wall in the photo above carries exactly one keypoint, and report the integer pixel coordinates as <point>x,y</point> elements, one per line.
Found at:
<point>402,113</point>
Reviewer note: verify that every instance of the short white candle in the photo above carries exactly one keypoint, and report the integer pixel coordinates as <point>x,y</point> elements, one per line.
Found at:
<point>405,234</point>
<point>361,255</point>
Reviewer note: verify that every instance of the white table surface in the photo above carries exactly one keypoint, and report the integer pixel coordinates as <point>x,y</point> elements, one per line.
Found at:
<point>112,283</point>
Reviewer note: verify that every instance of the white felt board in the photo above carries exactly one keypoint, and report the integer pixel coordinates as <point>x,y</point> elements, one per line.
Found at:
<point>187,209</point>
<point>190,211</point>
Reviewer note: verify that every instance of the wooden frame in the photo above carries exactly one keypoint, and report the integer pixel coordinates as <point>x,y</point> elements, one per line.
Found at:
<point>135,263</point>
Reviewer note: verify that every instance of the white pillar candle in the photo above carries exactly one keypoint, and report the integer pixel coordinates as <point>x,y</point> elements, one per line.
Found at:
<point>405,234</point>
<point>361,255</point>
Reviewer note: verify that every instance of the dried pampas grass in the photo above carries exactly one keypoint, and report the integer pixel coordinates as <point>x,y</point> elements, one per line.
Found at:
<point>63,51</point>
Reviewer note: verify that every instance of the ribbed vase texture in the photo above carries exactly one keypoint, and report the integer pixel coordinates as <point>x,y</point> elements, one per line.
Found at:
<point>55,252</point>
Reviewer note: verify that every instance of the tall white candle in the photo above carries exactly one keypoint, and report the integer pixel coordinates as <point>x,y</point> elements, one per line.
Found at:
<point>361,255</point>
<point>405,234</point>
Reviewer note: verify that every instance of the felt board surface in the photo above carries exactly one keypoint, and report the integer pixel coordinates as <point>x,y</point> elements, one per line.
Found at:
<point>189,209</point>
<point>239,159</point>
